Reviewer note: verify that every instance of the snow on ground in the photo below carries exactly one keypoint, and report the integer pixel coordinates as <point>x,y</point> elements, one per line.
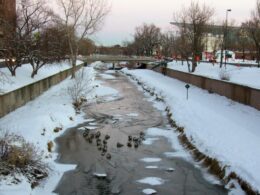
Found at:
<point>219,127</point>
<point>23,75</point>
<point>36,121</point>
<point>249,76</point>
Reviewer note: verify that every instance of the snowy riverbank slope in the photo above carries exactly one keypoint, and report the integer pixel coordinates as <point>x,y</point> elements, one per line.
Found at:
<point>241,75</point>
<point>36,122</point>
<point>219,127</point>
<point>23,75</point>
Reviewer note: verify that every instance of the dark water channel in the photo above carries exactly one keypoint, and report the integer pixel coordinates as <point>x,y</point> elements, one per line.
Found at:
<point>120,118</point>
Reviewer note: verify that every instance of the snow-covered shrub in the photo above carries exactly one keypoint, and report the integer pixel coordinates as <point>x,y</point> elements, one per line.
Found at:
<point>224,75</point>
<point>81,86</point>
<point>19,156</point>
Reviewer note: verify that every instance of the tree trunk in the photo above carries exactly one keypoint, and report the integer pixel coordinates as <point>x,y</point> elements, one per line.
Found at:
<point>34,72</point>
<point>258,58</point>
<point>221,57</point>
<point>13,73</point>
<point>194,65</point>
<point>188,64</point>
<point>73,70</point>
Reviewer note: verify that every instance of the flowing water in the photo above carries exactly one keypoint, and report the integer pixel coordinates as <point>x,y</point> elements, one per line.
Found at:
<point>121,117</point>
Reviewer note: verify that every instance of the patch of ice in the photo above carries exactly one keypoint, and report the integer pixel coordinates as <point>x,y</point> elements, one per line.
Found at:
<point>151,167</point>
<point>149,141</point>
<point>101,175</point>
<point>149,160</point>
<point>133,114</point>
<point>149,191</point>
<point>88,127</point>
<point>107,76</point>
<point>154,181</point>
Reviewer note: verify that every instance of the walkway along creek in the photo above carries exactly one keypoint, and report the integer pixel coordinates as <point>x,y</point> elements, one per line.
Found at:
<point>111,166</point>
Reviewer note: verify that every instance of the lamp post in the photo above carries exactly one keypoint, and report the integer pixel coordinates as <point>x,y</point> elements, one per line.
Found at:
<point>225,36</point>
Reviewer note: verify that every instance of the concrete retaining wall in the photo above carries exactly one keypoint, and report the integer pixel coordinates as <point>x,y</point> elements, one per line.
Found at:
<point>17,98</point>
<point>243,94</point>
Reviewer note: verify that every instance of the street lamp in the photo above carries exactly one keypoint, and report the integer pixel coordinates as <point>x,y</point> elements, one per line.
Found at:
<point>225,36</point>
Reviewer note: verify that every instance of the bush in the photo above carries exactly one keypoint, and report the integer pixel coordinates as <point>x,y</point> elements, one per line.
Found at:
<point>224,75</point>
<point>19,156</point>
<point>79,89</point>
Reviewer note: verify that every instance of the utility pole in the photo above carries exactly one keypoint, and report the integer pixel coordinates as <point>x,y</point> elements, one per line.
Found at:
<point>225,36</point>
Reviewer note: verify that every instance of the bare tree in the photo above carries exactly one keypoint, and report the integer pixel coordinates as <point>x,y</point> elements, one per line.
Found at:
<point>252,27</point>
<point>147,39</point>
<point>35,16</point>
<point>167,43</point>
<point>86,47</point>
<point>81,19</point>
<point>81,87</point>
<point>13,51</point>
<point>20,43</point>
<point>194,19</point>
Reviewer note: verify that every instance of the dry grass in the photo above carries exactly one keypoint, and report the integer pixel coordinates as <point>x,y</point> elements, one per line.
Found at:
<point>50,146</point>
<point>19,156</point>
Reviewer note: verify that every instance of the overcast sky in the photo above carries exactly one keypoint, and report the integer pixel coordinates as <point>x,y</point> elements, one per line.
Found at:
<point>125,15</point>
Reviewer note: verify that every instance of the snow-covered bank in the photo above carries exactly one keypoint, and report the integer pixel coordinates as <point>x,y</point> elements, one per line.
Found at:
<point>240,75</point>
<point>217,126</point>
<point>36,122</point>
<point>23,75</point>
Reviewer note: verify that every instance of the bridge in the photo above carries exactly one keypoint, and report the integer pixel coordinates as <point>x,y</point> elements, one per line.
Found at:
<point>117,59</point>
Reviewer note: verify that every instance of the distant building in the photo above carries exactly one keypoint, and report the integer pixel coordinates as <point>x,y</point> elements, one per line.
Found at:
<point>7,16</point>
<point>213,39</point>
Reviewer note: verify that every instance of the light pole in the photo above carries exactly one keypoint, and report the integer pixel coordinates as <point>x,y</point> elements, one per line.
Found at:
<point>225,36</point>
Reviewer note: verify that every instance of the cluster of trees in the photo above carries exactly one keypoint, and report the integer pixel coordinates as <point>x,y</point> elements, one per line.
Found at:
<point>149,40</point>
<point>251,28</point>
<point>42,36</point>
<point>194,23</point>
